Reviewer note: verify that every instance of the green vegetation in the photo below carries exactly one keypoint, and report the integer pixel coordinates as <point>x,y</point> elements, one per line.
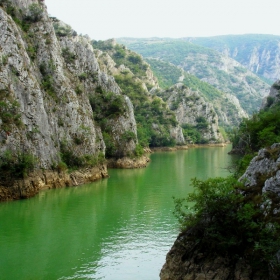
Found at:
<point>62,30</point>
<point>35,13</point>
<point>223,221</point>
<point>153,118</point>
<point>71,160</point>
<point>47,70</point>
<point>16,165</point>
<point>9,112</point>
<point>261,130</point>
<point>121,55</point>
<point>192,135</point>
<point>151,114</point>
<point>107,105</point>
<point>202,62</point>
<point>68,56</point>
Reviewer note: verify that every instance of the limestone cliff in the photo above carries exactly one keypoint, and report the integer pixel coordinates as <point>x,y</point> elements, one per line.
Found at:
<point>137,80</point>
<point>273,97</point>
<point>259,53</point>
<point>49,82</point>
<point>191,109</point>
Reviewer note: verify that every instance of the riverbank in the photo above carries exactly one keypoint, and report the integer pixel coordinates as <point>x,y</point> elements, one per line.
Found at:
<point>14,189</point>
<point>129,163</point>
<point>185,147</point>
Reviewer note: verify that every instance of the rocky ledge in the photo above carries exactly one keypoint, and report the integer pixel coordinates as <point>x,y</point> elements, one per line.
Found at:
<point>40,180</point>
<point>129,163</point>
<point>183,262</point>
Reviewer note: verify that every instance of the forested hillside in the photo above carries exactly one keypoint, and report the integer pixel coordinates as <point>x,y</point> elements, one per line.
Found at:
<point>222,72</point>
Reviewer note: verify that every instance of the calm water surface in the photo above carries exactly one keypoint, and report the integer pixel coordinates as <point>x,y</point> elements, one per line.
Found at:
<point>117,228</point>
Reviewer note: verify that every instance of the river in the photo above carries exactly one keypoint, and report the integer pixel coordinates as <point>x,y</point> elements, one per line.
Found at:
<point>118,228</point>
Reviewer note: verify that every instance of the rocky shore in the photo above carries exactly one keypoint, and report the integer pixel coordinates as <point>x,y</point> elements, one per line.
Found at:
<point>13,189</point>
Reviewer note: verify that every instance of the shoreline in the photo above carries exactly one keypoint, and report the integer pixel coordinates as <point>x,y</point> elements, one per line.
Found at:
<point>17,189</point>
<point>186,147</point>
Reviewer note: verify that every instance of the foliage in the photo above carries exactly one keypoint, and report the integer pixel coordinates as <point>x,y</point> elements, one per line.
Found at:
<point>110,145</point>
<point>69,57</point>
<point>9,114</point>
<point>62,30</point>
<point>128,136</point>
<point>201,123</point>
<point>72,160</point>
<point>35,13</point>
<point>261,130</point>
<point>16,165</point>
<point>47,70</point>
<point>107,105</point>
<point>139,151</point>
<point>191,134</point>
<point>152,116</point>
<point>218,218</point>
<point>202,62</point>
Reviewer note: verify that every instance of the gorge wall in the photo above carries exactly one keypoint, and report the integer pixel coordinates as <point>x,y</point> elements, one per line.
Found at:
<point>48,79</point>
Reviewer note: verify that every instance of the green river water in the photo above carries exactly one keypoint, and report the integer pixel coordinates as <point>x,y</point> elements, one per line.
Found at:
<point>118,228</point>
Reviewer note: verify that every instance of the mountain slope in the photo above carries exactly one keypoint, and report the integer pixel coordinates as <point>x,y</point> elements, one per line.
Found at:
<point>258,53</point>
<point>226,105</point>
<point>222,72</point>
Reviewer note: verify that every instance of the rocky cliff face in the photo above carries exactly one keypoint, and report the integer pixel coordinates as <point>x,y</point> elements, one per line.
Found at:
<point>184,261</point>
<point>273,97</point>
<point>49,78</point>
<point>211,66</point>
<point>138,81</point>
<point>192,109</point>
<point>258,53</point>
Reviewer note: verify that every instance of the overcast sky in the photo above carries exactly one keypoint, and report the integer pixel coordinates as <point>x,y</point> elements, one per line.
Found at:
<point>105,19</point>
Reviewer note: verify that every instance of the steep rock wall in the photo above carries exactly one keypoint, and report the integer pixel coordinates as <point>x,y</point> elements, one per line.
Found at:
<point>190,107</point>
<point>47,80</point>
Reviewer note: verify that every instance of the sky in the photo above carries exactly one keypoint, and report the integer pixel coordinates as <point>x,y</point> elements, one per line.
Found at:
<point>106,19</point>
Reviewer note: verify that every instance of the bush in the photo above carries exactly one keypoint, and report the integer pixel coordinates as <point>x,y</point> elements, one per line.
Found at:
<point>139,151</point>
<point>8,115</point>
<point>261,130</point>
<point>62,31</point>
<point>35,13</point>
<point>69,57</point>
<point>224,221</point>
<point>16,165</point>
<point>74,161</point>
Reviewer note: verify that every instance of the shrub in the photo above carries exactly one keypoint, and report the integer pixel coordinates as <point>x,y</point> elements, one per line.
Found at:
<point>139,151</point>
<point>69,57</point>
<point>35,13</point>
<point>16,165</point>
<point>110,145</point>
<point>61,166</point>
<point>128,136</point>
<point>62,31</point>
<point>82,76</point>
<point>222,220</point>
<point>8,115</point>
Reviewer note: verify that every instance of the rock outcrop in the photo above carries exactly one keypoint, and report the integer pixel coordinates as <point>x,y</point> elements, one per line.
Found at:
<point>191,109</point>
